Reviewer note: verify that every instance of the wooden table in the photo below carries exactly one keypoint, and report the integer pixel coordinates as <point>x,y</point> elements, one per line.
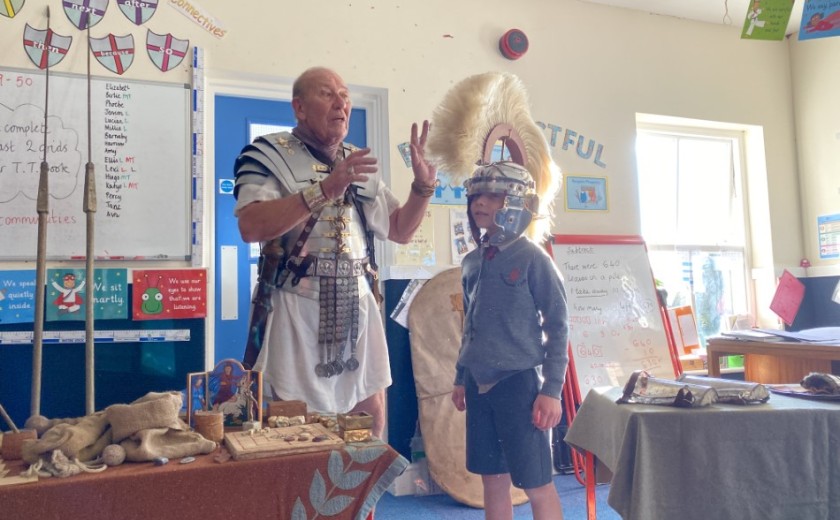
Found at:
<point>773,361</point>
<point>343,483</point>
<point>771,461</point>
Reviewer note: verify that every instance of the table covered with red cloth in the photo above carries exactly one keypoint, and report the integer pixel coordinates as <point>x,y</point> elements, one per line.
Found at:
<point>341,484</point>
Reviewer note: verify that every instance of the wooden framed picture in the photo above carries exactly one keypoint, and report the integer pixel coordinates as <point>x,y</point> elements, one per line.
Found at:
<point>196,395</point>
<point>235,391</point>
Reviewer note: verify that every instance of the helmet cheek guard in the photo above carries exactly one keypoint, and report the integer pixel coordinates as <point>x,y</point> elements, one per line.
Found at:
<point>514,217</point>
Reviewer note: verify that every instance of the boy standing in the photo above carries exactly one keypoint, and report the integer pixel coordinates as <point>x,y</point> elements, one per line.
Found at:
<point>513,357</point>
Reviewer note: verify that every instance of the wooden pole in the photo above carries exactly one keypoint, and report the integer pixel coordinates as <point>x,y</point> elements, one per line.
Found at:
<point>89,207</point>
<point>43,208</point>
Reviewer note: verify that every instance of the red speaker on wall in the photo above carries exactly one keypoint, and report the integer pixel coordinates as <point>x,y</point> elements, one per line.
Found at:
<point>513,44</point>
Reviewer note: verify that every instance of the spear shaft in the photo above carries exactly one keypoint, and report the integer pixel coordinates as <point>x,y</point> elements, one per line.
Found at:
<point>43,208</point>
<point>89,207</point>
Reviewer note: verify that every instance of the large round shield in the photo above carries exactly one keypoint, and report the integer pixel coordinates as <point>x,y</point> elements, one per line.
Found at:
<point>435,323</point>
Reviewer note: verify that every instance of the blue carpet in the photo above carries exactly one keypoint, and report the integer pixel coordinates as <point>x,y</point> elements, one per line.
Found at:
<point>442,507</point>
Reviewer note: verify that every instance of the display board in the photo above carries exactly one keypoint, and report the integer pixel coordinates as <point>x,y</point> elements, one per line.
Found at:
<point>616,323</point>
<point>141,156</point>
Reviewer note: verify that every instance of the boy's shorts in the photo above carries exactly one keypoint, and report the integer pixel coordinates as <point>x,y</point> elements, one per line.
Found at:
<point>501,437</point>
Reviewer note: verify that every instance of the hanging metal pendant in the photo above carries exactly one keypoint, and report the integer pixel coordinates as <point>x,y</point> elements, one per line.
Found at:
<point>337,367</point>
<point>351,364</point>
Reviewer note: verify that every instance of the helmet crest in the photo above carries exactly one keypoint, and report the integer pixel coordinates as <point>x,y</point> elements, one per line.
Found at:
<point>477,116</point>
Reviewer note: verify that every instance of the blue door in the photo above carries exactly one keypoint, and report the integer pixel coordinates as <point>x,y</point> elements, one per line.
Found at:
<point>236,261</point>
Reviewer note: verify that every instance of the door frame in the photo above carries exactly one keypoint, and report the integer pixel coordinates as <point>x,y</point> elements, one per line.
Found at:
<point>373,99</point>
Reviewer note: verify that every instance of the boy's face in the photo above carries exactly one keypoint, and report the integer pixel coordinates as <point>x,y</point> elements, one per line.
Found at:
<point>483,209</point>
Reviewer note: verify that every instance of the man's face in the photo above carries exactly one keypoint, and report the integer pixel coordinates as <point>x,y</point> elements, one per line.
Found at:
<point>324,107</point>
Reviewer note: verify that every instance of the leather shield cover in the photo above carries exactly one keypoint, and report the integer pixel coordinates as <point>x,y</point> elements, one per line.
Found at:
<point>435,322</point>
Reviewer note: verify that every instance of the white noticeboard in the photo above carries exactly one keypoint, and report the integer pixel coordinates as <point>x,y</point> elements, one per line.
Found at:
<point>616,324</point>
<point>140,151</point>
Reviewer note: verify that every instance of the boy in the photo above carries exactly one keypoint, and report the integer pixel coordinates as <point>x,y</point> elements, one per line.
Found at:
<point>513,357</point>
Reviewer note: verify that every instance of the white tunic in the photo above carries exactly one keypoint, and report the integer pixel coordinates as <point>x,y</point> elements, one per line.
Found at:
<point>290,351</point>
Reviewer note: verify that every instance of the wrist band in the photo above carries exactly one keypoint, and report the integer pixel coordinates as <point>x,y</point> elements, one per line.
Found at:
<point>422,190</point>
<point>314,198</point>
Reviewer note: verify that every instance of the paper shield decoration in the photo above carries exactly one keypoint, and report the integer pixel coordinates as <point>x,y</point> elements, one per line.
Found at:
<point>84,13</point>
<point>115,53</point>
<point>9,8</point>
<point>166,51</point>
<point>44,47</point>
<point>138,11</point>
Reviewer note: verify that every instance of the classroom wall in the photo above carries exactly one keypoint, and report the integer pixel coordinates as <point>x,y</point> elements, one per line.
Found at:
<point>590,69</point>
<point>816,80</point>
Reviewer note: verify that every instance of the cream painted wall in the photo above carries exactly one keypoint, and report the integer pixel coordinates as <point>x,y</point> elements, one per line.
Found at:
<point>816,80</point>
<point>590,68</point>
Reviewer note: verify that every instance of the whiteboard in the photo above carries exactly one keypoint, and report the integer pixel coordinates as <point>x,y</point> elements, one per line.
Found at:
<point>615,320</point>
<point>141,156</point>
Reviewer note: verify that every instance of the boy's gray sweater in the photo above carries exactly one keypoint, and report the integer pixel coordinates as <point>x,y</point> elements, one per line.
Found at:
<point>515,316</point>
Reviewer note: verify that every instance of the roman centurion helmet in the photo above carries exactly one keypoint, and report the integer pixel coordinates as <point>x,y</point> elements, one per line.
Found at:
<point>483,134</point>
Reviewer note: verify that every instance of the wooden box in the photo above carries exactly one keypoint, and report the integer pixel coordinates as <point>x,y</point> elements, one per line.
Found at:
<point>286,408</point>
<point>355,421</point>
<point>362,435</point>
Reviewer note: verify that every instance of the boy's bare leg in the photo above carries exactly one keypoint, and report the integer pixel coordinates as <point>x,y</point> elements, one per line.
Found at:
<point>497,502</point>
<point>545,502</point>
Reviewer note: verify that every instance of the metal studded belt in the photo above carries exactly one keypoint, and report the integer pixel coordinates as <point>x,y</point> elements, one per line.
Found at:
<point>329,267</point>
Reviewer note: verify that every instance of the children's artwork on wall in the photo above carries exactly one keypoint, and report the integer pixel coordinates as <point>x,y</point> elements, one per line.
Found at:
<point>820,19</point>
<point>586,193</point>
<point>462,241</point>
<point>138,12</point>
<point>115,53</point>
<point>45,47</point>
<point>165,294</point>
<point>421,249</point>
<point>234,391</point>
<point>84,14</point>
<point>11,7</point>
<point>767,20</point>
<point>166,51</point>
<point>17,296</point>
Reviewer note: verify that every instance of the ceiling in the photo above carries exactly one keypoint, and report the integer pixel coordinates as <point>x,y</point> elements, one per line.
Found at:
<point>711,11</point>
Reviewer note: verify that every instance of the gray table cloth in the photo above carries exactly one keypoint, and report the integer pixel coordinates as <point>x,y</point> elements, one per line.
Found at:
<point>774,461</point>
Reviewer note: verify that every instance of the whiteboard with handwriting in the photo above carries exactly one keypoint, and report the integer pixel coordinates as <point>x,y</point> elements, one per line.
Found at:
<point>141,156</point>
<point>615,320</point>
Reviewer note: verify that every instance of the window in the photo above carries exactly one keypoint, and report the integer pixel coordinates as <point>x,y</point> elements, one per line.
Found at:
<point>693,219</point>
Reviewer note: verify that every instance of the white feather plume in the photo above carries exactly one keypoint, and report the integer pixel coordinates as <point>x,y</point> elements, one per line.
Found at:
<point>467,114</point>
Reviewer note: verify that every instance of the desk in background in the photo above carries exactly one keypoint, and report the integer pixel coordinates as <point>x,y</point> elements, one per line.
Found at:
<point>773,361</point>
<point>772,461</point>
<point>347,482</point>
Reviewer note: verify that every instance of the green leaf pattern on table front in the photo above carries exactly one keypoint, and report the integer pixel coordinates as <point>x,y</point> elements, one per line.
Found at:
<point>366,454</point>
<point>342,478</point>
<point>299,511</point>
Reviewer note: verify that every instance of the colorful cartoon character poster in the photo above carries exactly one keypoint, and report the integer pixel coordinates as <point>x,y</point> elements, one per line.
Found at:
<point>166,294</point>
<point>820,19</point>
<point>17,296</point>
<point>767,20</point>
<point>68,289</point>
